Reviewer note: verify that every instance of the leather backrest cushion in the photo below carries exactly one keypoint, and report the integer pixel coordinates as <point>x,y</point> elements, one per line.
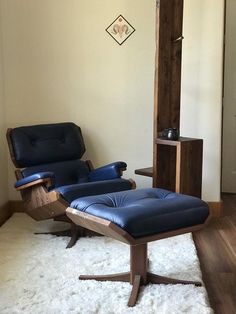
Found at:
<point>45,143</point>
<point>66,172</point>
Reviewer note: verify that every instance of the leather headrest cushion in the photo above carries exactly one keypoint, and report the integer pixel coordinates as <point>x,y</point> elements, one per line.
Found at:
<point>45,143</point>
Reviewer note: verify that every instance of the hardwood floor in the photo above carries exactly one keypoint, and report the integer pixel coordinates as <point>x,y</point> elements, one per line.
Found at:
<point>216,246</point>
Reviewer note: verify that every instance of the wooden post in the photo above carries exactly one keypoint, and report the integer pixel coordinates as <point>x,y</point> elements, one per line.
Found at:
<point>138,262</point>
<point>177,165</point>
<point>167,89</point>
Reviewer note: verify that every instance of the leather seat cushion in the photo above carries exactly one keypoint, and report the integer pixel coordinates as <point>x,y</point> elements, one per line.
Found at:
<point>72,192</point>
<point>145,212</point>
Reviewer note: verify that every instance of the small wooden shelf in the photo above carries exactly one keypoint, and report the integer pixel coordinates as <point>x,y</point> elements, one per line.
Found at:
<point>179,166</point>
<point>147,172</point>
<point>162,141</point>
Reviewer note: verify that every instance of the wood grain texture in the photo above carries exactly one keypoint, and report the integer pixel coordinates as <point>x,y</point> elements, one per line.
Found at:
<point>46,181</point>
<point>166,168</point>
<point>179,165</point>
<point>169,20</point>
<point>189,168</point>
<point>124,277</point>
<point>215,208</point>
<point>167,82</point>
<point>109,229</point>
<point>216,246</point>
<point>147,172</point>
<point>135,291</point>
<point>41,204</point>
<point>138,263</point>
<point>99,225</point>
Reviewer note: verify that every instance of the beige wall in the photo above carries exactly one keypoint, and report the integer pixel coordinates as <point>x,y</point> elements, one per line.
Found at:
<point>3,155</point>
<point>202,85</point>
<point>61,65</point>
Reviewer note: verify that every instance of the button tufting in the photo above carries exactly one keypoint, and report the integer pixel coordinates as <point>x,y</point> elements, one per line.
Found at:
<point>54,143</point>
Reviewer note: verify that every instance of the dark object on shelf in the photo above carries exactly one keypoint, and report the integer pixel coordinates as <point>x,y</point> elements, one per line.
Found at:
<point>170,134</point>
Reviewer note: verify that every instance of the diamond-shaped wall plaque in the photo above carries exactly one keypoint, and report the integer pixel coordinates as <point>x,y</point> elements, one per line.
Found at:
<point>120,29</point>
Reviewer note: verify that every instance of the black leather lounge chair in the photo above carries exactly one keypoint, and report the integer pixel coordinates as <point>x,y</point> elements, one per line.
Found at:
<point>50,173</point>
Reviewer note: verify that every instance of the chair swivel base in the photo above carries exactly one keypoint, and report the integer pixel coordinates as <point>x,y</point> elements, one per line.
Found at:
<point>75,232</point>
<point>138,274</point>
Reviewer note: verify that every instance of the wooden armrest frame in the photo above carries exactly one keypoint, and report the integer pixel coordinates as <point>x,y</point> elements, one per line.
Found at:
<point>46,181</point>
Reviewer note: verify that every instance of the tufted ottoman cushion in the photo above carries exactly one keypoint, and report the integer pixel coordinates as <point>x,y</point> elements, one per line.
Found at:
<point>145,212</point>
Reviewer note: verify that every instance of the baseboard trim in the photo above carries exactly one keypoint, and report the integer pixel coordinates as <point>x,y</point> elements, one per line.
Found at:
<point>5,213</point>
<point>215,208</point>
<point>17,206</point>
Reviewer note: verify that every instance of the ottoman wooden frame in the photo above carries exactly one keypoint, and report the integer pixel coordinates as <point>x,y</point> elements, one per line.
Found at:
<point>138,274</point>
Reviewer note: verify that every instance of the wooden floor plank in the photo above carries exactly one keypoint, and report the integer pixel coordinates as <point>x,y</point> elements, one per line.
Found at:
<point>216,246</point>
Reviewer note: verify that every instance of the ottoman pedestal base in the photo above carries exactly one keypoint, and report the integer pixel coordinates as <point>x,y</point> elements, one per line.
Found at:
<point>138,274</point>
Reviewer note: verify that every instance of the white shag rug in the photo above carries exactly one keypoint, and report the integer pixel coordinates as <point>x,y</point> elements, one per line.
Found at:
<point>38,275</point>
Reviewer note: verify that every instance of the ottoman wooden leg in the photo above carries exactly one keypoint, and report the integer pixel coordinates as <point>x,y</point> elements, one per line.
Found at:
<point>138,262</point>
<point>135,291</point>
<point>153,278</point>
<point>125,277</point>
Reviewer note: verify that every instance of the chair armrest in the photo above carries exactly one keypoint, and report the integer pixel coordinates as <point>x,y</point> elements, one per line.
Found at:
<point>46,178</point>
<point>108,172</point>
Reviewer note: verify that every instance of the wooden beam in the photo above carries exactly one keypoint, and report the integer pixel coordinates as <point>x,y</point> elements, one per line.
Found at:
<point>167,86</point>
